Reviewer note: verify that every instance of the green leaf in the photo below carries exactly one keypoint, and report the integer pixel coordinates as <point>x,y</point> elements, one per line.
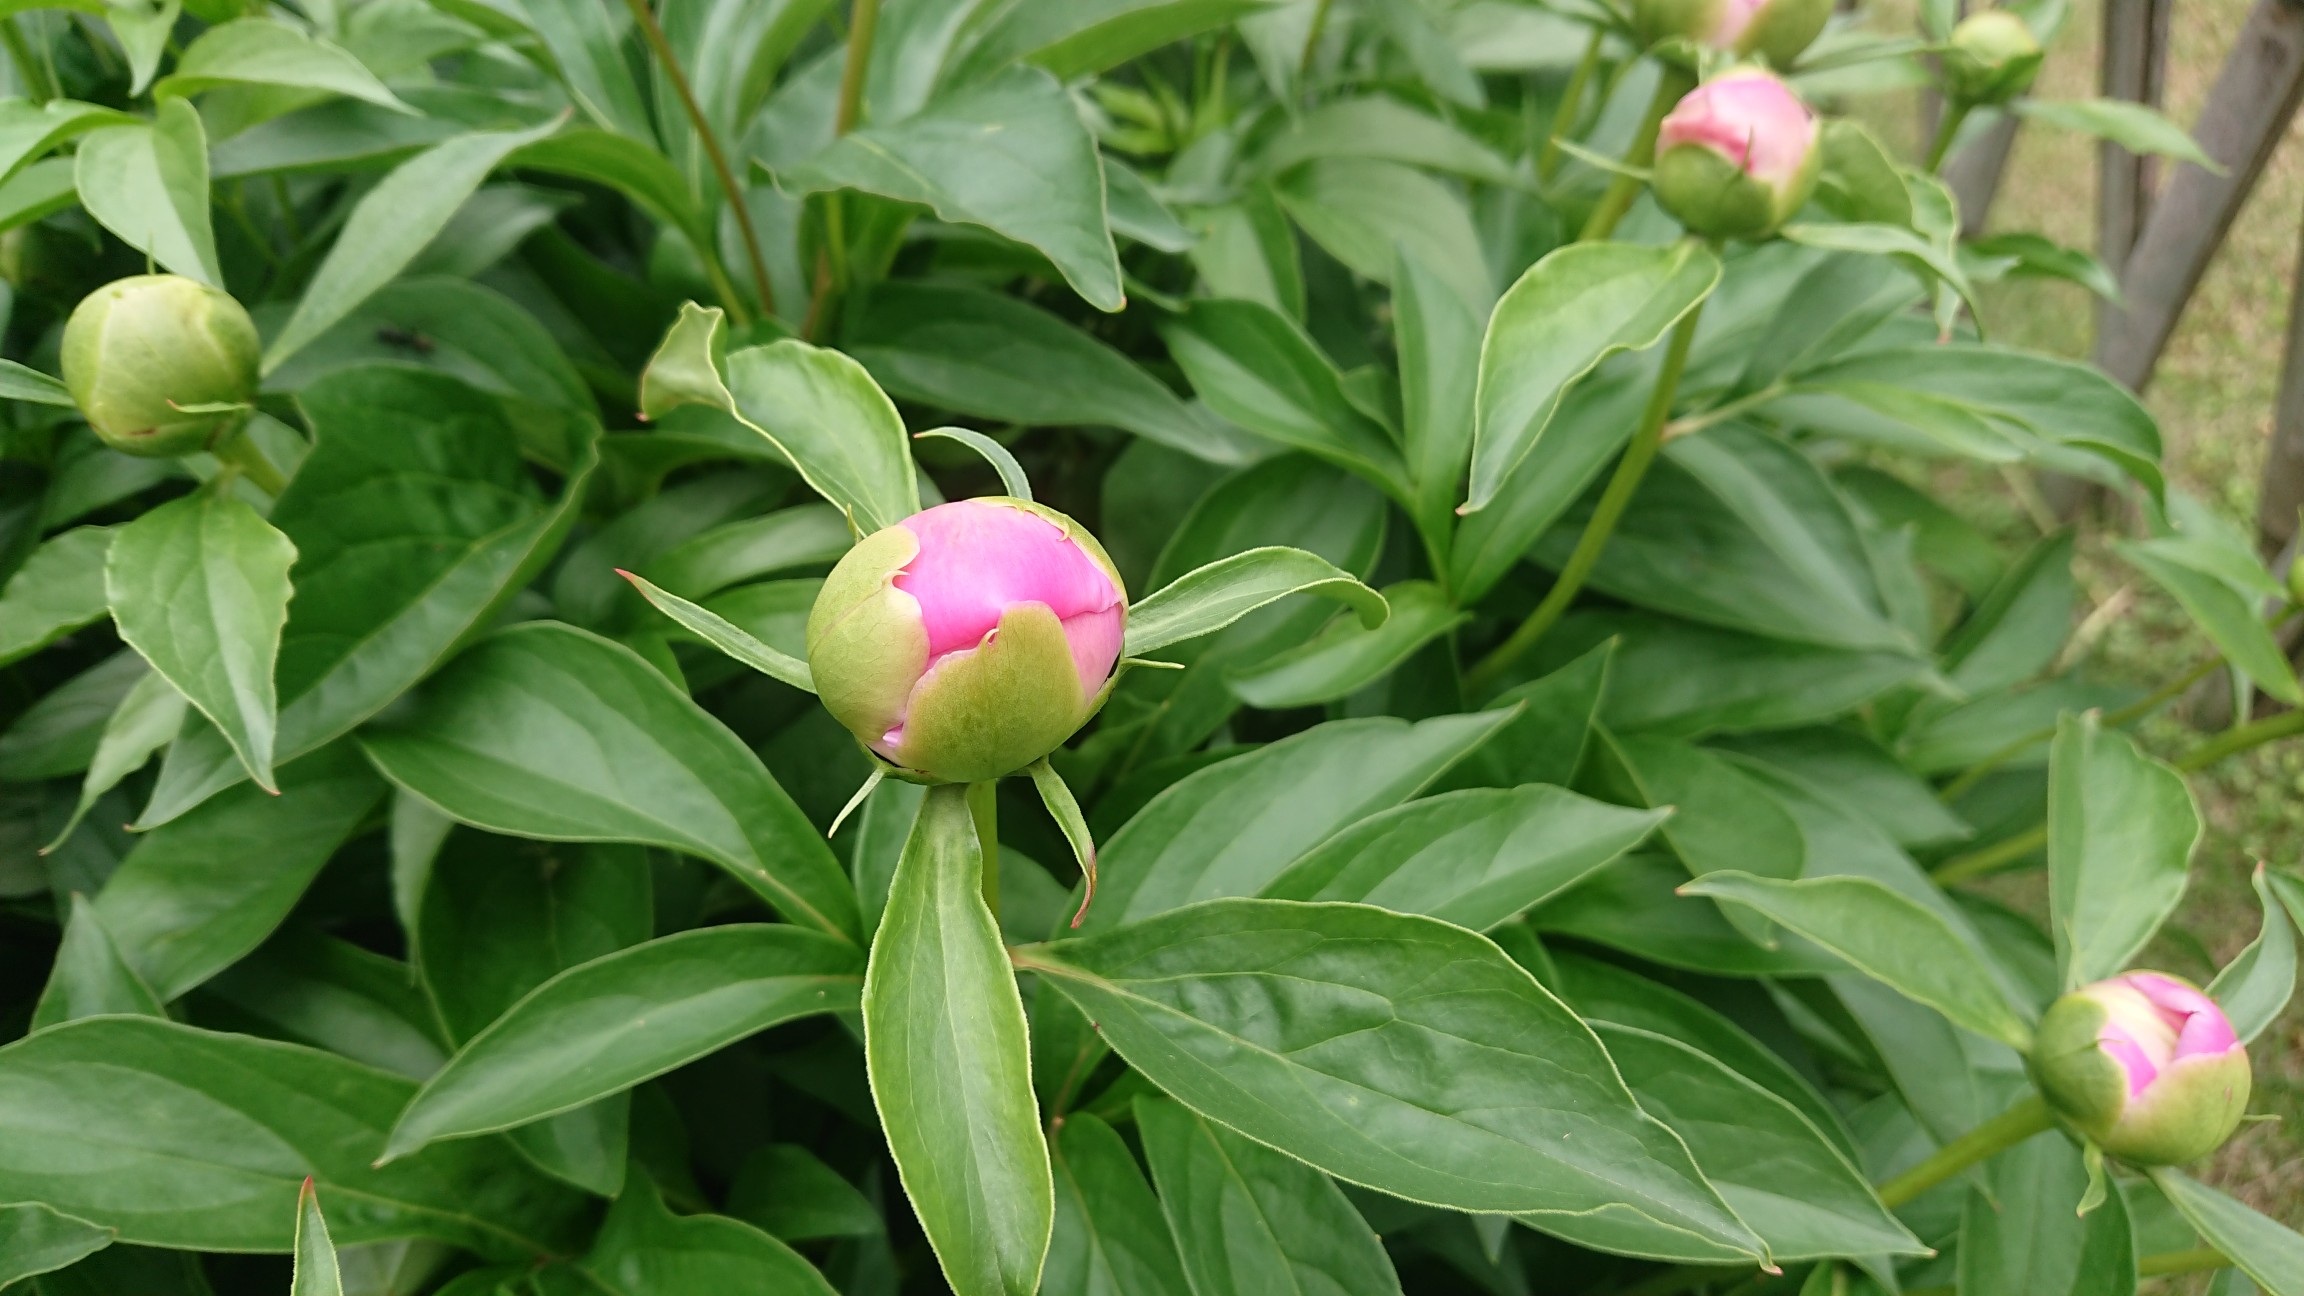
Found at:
<point>2039,256</point>
<point>1366,211</point>
<point>391,224</point>
<point>1042,185</point>
<point>89,978</point>
<point>185,1138</point>
<point>146,720</point>
<point>453,326</point>
<point>543,730</point>
<point>1857,180</point>
<point>805,535</point>
<point>786,1190</point>
<point>996,357</point>
<point>2226,615</point>
<point>1255,367</point>
<point>1064,808</point>
<point>2254,988</point>
<point>1476,858</point>
<point>29,129</point>
<point>2263,1249</point>
<point>2019,627</point>
<point>1438,339</point>
<point>817,407</point>
<point>200,587</point>
<point>585,40</point>
<point>1247,1220</point>
<point>630,165</point>
<point>1379,126</point>
<point>262,52</point>
<point>2121,831</point>
<point>1109,1233</point>
<point>1885,936</point>
<point>1231,828</point>
<point>944,1038</point>
<point>1773,1167</point>
<point>1396,1052</point>
<point>58,735</point>
<point>1635,906</point>
<point>41,189</point>
<point>601,1027</point>
<point>1570,311</point>
<point>1209,598</point>
<point>645,1250</point>
<point>148,184</point>
<point>196,895</point>
<point>414,517</point>
<point>37,1240</point>
<point>2025,1236</point>
<point>1012,478</point>
<point>2136,127</point>
<point>1348,656</point>
<point>310,988</point>
<point>19,382</point>
<point>728,638</point>
<point>1930,259</point>
<point>1853,770</point>
<point>1075,38</point>
<point>316,1273</point>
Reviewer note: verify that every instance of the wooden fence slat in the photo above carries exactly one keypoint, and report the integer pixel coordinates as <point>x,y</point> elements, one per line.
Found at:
<point>2282,490</point>
<point>2134,68</point>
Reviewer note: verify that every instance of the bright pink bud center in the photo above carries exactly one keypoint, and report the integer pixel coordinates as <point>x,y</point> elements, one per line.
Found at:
<point>2152,1021</point>
<point>1735,16</point>
<point>1750,118</point>
<point>977,559</point>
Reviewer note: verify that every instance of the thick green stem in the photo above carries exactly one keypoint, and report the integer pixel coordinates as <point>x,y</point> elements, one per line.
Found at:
<point>1990,859</point>
<point>1625,189</point>
<point>2166,1263</point>
<point>2234,741</point>
<point>2136,710</point>
<point>240,454</point>
<point>1994,1136</point>
<point>654,32</point>
<point>34,74</point>
<point>984,808</point>
<point>1565,116</point>
<point>1947,129</point>
<point>1629,470</point>
<point>863,21</point>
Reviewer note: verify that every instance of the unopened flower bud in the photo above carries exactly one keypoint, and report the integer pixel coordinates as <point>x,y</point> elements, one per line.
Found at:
<point>1737,157</point>
<point>149,359</point>
<point>2145,1065</point>
<point>968,640</point>
<point>1776,30</point>
<point>1991,59</point>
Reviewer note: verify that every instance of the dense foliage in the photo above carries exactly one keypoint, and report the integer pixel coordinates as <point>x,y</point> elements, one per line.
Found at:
<point>1529,830</point>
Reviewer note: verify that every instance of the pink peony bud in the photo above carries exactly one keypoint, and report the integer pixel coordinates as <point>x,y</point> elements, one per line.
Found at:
<point>2145,1065</point>
<point>1737,156</point>
<point>1777,30</point>
<point>968,640</point>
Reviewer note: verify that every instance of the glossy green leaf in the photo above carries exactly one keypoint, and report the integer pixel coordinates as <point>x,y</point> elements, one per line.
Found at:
<point>546,731</point>
<point>1110,1237</point>
<point>1042,186</point>
<point>2121,831</point>
<point>731,639</point>
<point>2228,616</point>
<point>1257,368</point>
<point>453,326</point>
<point>1248,1220</point>
<point>23,383</point>
<point>1476,858</point>
<point>1857,772</point>
<point>2256,985</point>
<point>601,1027</point>
<point>317,1273</point>
<point>1927,257</point>
<point>1779,1173</point>
<point>29,129</point>
<point>644,1249</point>
<point>399,562</point>
<point>1349,656</point>
<point>148,184</point>
<point>1569,312</point>
<point>389,226</point>
<point>585,39</point>
<point>995,357</point>
<point>1012,479</point>
<point>59,734</point>
<point>1230,829</point>
<point>41,189</point>
<point>1380,126</point>
<point>2262,1248</point>
<point>1439,369</point>
<point>200,587</point>
<point>37,1240</point>
<point>310,988</point>
<point>200,892</point>
<point>2138,128</point>
<point>89,978</point>
<point>1073,38</point>
<point>2026,1236</point>
<point>147,719</point>
<point>179,1137</point>
<point>944,1037</point>
<point>789,539</point>
<point>1064,808</point>
<point>1396,1052</point>
<point>1885,936</point>
<point>265,52</point>
<point>1365,211</point>
<point>1212,597</point>
<point>787,1191</point>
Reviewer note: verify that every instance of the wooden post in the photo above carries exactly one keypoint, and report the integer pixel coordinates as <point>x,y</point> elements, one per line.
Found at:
<point>2282,491</point>
<point>2247,111</point>
<point>1974,172</point>
<point>2135,68</point>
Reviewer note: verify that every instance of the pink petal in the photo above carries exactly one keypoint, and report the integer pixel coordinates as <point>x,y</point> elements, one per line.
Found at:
<point>1735,16</point>
<point>979,558</point>
<point>1750,118</point>
<point>2202,1027</point>
<point>1095,639</point>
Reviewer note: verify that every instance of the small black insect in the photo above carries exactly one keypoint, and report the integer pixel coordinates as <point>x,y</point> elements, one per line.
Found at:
<point>405,338</point>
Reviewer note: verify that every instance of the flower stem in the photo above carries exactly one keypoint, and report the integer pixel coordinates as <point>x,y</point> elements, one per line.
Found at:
<point>1565,116</point>
<point>654,32</point>
<point>1671,84</point>
<point>1947,128</point>
<point>863,21</point>
<point>1991,858</point>
<point>237,452</point>
<point>984,808</point>
<point>2136,710</point>
<point>2234,741</point>
<point>1629,470</point>
<point>1994,1136</point>
<point>2198,1260</point>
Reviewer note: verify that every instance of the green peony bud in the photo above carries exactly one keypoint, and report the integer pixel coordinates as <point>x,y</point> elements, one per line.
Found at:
<point>969,640</point>
<point>2145,1065</point>
<point>1737,157</point>
<point>1776,30</point>
<point>148,359</point>
<point>1991,59</point>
